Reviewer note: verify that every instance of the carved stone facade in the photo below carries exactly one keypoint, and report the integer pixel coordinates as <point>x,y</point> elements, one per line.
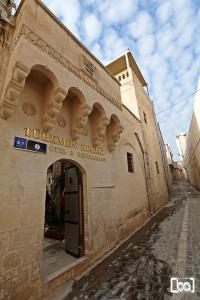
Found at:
<point>13,89</point>
<point>53,109</point>
<point>114,136</point>
<point>100,131</point>
<point>80,127</point>
<point>43,46</point>
<point>56,117</point>
<point>29,109</point>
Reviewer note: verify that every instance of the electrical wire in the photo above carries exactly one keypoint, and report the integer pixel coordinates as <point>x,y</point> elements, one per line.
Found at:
<point>176,103</point>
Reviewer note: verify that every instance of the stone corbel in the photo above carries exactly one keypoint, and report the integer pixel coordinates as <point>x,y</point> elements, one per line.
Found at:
<point>80,127</point>
<point>53,109</point>
<point>13,90</point>
<point>100,132</point>
<point>115,137</point>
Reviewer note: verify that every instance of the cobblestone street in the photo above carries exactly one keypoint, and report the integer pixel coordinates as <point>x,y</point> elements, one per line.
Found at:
<point>167,246</point>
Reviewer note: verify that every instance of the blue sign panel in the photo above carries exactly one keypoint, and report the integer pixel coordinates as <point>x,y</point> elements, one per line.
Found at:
<point>20,143</point>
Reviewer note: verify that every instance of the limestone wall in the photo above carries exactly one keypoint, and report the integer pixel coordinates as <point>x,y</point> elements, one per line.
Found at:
<point>49,98</point>
<point>192,153</point>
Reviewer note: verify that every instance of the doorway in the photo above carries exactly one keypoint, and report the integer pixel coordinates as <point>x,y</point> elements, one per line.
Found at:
<point>64,228</point>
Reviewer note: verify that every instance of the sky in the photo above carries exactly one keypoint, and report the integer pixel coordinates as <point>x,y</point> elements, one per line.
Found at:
<point>164,38</point>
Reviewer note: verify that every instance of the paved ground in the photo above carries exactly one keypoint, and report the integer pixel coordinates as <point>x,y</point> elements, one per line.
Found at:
<point>168,246</point>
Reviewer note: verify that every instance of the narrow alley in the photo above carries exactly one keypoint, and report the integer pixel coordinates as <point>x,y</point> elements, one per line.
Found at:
<point>167,246</point>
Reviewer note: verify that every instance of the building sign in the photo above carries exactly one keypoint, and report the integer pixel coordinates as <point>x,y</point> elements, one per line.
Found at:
<point>36,146</point>
<point>20,143</point>
<point>88,68</point>
<point>61,141</point>
<point>29,145</point>
<point>58,144</point>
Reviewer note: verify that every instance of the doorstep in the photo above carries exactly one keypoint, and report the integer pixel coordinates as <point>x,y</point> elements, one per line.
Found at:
<point>58,278</point>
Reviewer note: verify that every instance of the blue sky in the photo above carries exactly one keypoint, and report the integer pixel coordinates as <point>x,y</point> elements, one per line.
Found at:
<point>164,37</point>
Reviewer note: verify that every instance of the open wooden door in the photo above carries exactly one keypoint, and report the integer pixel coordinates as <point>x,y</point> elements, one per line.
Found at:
<point>73,211</point>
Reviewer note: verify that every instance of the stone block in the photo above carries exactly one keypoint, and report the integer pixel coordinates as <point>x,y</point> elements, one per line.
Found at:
<point>18,282</point>
<point>36,270</point>
<point>4,242</point>
<point>31,215</point>
<point>80,267</point>
<point>39,234</point>
<point>32,253</point>
<point>8,217</point>
<point>52,285</point>
<point>1,288</point>
<point>16,239</point>
<point>11,261</point>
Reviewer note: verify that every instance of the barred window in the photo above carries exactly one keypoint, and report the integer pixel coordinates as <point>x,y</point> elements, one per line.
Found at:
<point>130,162</point>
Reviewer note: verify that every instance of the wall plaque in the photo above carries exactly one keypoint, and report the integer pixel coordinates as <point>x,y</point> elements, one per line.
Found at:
<point>88,68</point>
<point>20,143</point>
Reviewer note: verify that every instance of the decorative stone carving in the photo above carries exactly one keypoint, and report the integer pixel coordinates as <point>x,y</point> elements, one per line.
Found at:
<point>115,136</point>
<point>48,123</point>
<point>13,90</point>
<point>43,46</point>
<point>53,109</point>
<point>61,121</point>
<point>80,127</point>
<point>100,132</point>
<point>29,109</point>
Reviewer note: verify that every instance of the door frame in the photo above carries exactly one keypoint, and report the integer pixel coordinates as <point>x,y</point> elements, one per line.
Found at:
<point>80,211</point>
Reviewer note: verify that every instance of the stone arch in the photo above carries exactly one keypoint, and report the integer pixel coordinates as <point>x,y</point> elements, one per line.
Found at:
<point>64,176</point>
<point>47,72</point>
<point>54,97</point>
<point>114,129</point>
<point>21,76</point>
<point>77,111</point>
<point>98,122</point>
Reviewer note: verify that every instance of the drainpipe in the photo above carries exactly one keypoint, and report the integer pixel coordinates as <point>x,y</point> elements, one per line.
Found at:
<point>145,171</point>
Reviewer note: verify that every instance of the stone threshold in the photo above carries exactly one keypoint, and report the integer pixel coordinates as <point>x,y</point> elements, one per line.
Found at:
<point>64,269</point>
<point>55,280</point>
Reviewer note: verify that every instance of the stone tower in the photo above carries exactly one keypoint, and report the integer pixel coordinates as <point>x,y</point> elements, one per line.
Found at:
<point>7,23</point>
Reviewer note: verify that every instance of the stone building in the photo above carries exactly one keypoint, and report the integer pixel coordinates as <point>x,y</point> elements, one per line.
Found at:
<point>181,144</point>
<point>191,145</point>
<point>81,159</point>
<point>177,170</point>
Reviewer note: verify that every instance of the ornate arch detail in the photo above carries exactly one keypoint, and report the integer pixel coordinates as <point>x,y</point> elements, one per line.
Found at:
<point>100,132</point>
<point>114,131</point>
<point>99,126</point>
<point>13,89</point>
<point>53,109</point>
<point>80,124</point>
<point>80,115</point>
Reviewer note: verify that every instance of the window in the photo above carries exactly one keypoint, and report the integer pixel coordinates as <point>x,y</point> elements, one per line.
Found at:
<point>120,78</point>
<point>157,168</point>
<point>123,76</point>
<point>130,162</point>
<point>145,117</point>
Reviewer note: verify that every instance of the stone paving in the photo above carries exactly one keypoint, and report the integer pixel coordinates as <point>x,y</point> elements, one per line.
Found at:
<point>167,246</point>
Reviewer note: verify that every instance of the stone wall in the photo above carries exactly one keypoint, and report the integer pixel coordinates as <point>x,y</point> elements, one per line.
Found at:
<point>48,97</point>
<point>192,153</point>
